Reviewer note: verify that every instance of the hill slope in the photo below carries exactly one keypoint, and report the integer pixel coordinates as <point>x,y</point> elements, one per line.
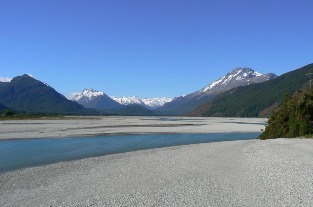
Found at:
<point>27,94</point>
<point>3,107</point>
<point>253,100</point>
<point>293,119</point>
<point>134,110</point>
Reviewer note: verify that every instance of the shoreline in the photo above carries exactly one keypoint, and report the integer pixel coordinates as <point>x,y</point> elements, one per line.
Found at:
<point>118,134</point>
<point>231,173</point>
<point>112,154</point>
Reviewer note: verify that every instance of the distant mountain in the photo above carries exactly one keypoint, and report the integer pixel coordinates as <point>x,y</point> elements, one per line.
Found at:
<point>150,103</point>
<point>237,77</point>
<point>24,93</point>
<point>133,105</point>
<point>2,83</point>
<point>134,110</point>
<point>91,98</point>
<point>256,99</point>
<point>3,107</point>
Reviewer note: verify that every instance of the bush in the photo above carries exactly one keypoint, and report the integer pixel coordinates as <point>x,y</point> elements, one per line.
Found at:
<point>8,113</point>
<point>293,119</point>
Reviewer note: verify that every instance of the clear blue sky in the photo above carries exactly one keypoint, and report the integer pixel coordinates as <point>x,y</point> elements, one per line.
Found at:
<point>151,48</point>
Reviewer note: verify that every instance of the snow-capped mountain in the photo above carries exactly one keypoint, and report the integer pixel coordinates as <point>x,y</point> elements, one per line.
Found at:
<point>151,103</point>
<point>156,102</point>
<point>91,98</point>
<point>128,100</point>
<point>5,79</point>
<point>237,77</point>
<point>87,94</point>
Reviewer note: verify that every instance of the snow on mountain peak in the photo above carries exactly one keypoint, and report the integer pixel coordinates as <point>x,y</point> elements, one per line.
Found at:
<point>87,93</point>
<point>127,100</point>
<point>91,92</point>
<point>152,103</point>
<point>5,79</point>
<point>156,102</point>
<point>237,77</point>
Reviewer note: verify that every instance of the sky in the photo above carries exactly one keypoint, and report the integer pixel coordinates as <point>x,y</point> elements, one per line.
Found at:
<point>151,48</point>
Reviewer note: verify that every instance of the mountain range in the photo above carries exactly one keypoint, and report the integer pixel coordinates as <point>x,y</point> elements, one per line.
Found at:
<point>237,77</point>
<point>91,98</point>
<point>149,103</point>
<point>241,92</point>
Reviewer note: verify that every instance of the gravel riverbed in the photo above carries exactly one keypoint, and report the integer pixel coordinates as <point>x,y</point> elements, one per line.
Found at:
<point>236,173</point>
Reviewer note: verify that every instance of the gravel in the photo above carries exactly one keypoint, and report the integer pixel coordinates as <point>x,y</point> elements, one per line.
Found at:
<point>93,126</point>
<point>237,173</point>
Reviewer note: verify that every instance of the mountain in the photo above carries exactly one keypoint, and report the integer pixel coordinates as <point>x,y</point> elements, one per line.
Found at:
<point>237,77</point>
<point>134,110</point>
<point>132,106</point>
<point>3,108</point>
<point>256,99</point>
<point>149,103</point>
<point>91,98</point>
<point>24,93</point>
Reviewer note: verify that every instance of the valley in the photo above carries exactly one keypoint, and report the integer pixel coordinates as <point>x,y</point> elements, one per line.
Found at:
<point>242,92</point>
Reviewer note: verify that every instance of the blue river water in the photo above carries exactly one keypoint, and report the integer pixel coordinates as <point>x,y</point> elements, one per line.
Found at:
<point>17,154</point>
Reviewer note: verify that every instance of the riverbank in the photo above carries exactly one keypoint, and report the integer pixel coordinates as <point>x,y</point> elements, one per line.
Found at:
<point>95,126</point>
<point>237,173</point>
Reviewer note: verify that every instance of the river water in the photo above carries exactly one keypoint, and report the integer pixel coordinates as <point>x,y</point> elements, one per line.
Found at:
<point>17,154</point>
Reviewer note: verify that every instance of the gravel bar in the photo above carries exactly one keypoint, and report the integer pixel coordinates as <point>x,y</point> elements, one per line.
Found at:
<point>236,173</point>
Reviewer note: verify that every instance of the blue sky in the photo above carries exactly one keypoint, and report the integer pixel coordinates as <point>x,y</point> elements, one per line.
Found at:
<point>151,48</point>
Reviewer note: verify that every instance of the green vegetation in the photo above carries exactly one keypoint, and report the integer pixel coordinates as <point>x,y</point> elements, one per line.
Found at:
<point>8,113</point>
<point>257,100</point>
<point>293,119</point>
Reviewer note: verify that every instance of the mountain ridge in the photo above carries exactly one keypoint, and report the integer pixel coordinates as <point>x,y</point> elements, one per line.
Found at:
<point>150,103</point>
<point>25,93</point>
<point>256,99</point>
<point>237,77</point>
<point>90,98</point>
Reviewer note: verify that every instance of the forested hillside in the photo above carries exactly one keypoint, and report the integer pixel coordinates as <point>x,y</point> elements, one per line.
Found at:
<point>293,119</point>
<point>250,101</point>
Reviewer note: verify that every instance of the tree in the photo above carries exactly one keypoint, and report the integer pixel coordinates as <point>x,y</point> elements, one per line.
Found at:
<point>293,119</point>
<point>8,113</point>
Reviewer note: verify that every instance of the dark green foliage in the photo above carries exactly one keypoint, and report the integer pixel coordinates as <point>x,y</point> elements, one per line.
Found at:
<point>8,113</point>
<point>293,119</point>
<point>249,101</point>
